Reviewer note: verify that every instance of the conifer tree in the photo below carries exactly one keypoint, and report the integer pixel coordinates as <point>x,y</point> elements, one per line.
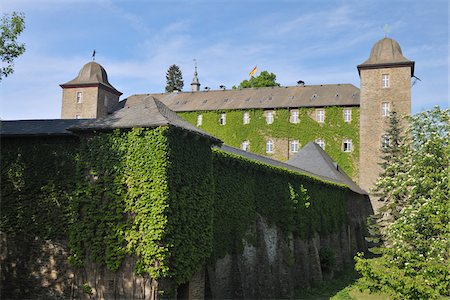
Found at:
<point>174,79</point>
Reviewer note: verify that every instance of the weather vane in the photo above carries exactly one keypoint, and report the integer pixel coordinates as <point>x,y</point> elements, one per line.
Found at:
<point>93,55</point>
<point>386,30</point>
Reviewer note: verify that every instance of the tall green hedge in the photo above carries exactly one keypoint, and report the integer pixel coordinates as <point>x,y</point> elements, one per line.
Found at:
<point>334,130</point>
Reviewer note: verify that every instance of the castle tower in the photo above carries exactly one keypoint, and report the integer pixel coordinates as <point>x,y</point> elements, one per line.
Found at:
<point>89,95</point>
<point>385,86</point>
<point>195,85</point>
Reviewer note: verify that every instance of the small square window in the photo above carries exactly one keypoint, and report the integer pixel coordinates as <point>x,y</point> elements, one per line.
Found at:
<point>269,117</point>
<point>223,119</point>
<point>245,145</point>
<point>246,119</point>
<point>199,120</point>
<point>321,143</point>
<point>385,109</point>
<point>385,81</point>
<point>320,115</point>
<point>347,115</point>
<point>79,97</point>
<point>269,146</point>
<point>294,146</point>
<point>347,145</point>
<point>294,116</point>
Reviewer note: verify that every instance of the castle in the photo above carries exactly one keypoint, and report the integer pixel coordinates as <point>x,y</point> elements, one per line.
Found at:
<point>347,122</point>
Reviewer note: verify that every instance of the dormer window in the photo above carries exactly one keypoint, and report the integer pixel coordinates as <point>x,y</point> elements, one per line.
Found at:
<point>199,120</point>
<point>79,97</point>
<point>313,97</point>
<point>385,81</point>
<point>223,119</point>
<point>246,119</point>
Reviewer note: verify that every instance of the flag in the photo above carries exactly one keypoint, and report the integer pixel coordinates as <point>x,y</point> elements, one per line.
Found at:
<point>253,71</point>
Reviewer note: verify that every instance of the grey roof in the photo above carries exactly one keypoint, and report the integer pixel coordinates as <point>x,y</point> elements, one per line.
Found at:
<point>37,127</point>
<point>314,159</point>
<point>92,73</point>
<point>386,52</point>
<point>149,112</point>
<point>315,172</point>
<point>268,97</point>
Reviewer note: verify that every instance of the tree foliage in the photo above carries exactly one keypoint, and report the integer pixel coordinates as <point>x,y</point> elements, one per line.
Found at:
<point>11,27</point>
<point>416,262</point>
<point>264,79</point>
<point>174,79</point>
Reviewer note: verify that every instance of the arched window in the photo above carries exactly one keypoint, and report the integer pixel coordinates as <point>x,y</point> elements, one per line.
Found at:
<point>269,146</point>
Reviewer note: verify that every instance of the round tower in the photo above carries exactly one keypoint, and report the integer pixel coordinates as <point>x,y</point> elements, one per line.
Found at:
<point>89,95</point>
<point>385,86</point>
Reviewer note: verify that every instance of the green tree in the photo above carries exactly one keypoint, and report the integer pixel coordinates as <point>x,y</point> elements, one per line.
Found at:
<point>264,79</point>
<point>174,79</point>
<point>415,264</point>
<point>11,27</point>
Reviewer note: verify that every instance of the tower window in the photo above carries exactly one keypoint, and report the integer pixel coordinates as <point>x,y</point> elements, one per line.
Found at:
<point>320,115</point>
<point>294,116</point>
<point>347,115</point>
<point>269,146</point>
<point>106,101</point>
<point>245,145</point>
<point>347,145</point>
<point>269,117</point>
<point>385,81</point>
<point>246,119</point>
<point>321,143</point>
<point>199,120</point>
<point>294,146</point>
<point>79,97</point>
<point>223,119</point>
<point>385,141</point>
<point>385,109</point>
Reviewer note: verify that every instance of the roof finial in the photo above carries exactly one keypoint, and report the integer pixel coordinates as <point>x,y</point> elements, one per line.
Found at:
<point>386,30</point>
<point>93,55</point>
<point>195,85</point>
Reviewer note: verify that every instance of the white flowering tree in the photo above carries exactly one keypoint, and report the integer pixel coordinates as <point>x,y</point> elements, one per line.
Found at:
<point>416,262</point>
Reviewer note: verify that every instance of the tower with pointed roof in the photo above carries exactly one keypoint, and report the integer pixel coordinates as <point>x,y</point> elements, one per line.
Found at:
<point>385,86</point>
<point>89,95</point>
<point>195,85</point>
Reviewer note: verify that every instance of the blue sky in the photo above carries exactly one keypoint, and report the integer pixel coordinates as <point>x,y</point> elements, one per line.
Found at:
<point>319,42</point>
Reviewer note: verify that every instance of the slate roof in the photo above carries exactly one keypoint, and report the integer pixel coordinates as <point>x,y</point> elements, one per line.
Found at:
<point>37,127</point>
<point>148,113</point>
<point>314,159</point>
<point>254,98</point>
<point>297,165</point>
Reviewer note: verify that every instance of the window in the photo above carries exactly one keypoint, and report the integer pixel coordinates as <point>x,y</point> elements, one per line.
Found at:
<point>385,81</point>
<point>385,109</point>
<point>199,120</point>
<point>347,115</point>
<point>294,146</point>
<point>79,97</point>
<point>321,143</point>
<point>77,117</point>
<point>269,117</point>
<point>269,146</point>
<point>385,141</point>
<point>245,145</point>
<point>106,101</point>
<point>223,119</point>
<point>294,116</point>
<point>347,145</point>
<point>246,118</point>
<point>320,115</point>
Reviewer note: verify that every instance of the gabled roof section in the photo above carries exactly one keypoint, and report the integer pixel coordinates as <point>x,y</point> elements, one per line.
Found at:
<point>37,127</point>
<point>148,113</point>
<point>314,159</point>
<point>256,98</point>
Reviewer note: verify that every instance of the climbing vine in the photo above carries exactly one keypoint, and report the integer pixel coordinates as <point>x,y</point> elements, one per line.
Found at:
<point>333,131</point>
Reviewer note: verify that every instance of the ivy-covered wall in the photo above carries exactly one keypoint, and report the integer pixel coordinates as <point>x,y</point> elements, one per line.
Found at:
<point>333,131</point>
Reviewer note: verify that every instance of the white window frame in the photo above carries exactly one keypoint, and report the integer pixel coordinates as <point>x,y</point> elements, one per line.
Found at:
<point>269,117</point>
<point>347,115</point>
<point>223,119</point>
<point>294,116</point>
<point>320,142</point>
<point>246,118</point>
<point>385,141</point>
<point>245,145</point>
<point>269,146</point>
<point>199,120</point>
<point>294,145</point>
<point>320,115</point>
<point>385,109</point>
<point>79,97</point>
<point>77,117</point>
<point>349,147</point>
<point>385,81</point>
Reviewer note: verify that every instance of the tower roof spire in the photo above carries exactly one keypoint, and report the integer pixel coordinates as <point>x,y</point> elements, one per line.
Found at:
<point>195,85</point>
